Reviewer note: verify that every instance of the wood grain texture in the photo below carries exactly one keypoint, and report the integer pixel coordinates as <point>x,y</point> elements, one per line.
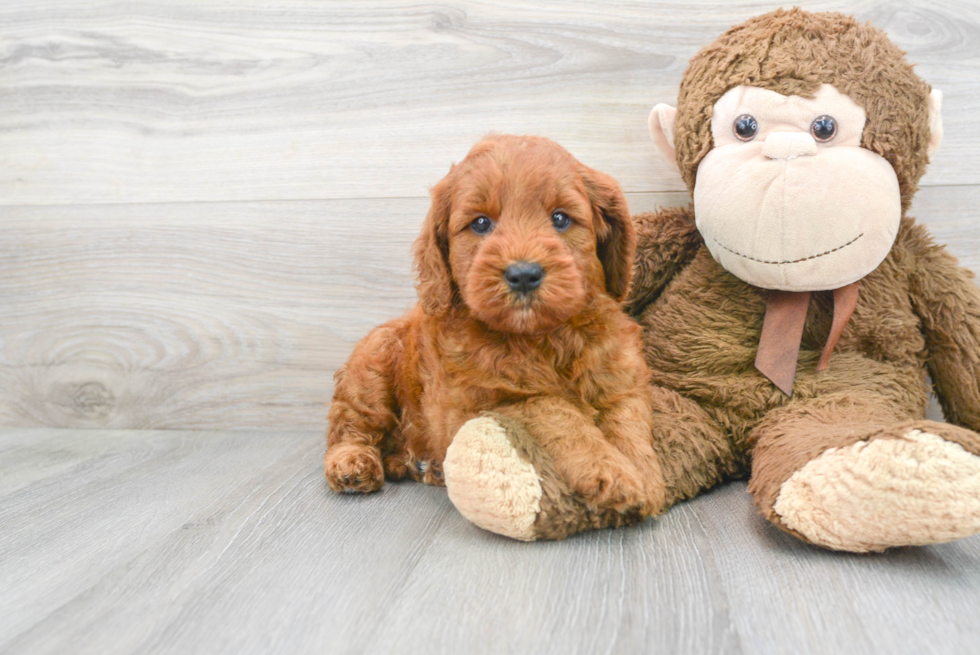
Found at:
<point>193,315</point>
<point>200,315</point>
<point>226,315</point>
<point>229,542</point>
<point>187,101</point>
<point>126,301</point>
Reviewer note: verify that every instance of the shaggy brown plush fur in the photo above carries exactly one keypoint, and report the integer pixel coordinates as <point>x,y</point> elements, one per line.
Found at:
<point>717,417</point>
<point>563,362</point>
<point>918,311</point>
<point>794,52</point>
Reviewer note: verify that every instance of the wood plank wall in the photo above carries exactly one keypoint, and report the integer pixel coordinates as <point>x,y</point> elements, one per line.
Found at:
<point>203,205</point>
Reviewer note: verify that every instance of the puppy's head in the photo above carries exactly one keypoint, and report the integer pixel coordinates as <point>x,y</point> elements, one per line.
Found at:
<point>523,235</point>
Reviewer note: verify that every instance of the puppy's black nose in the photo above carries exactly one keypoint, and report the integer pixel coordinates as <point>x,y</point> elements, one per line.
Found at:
<point>524,276</point>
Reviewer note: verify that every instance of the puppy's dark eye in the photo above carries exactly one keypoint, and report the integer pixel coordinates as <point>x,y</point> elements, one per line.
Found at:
<point>561,221</point>
<point>482,225</point>
<point>745,127</point>
<point>824,128</point>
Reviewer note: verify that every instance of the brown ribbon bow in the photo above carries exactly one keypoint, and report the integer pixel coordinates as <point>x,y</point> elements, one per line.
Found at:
<point>782,331</point>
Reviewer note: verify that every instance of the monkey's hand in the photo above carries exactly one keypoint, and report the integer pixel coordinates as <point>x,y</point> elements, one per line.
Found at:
<point>947,301</point>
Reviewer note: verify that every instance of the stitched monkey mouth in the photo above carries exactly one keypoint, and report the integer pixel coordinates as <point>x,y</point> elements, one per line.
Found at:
<point>789,261</point>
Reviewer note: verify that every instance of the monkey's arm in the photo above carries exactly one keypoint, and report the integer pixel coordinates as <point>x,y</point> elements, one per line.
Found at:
<point>665,242</point>
<point>947,301</point>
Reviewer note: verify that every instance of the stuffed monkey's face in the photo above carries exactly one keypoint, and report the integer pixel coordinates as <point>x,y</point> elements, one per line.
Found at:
<point>787,198</point>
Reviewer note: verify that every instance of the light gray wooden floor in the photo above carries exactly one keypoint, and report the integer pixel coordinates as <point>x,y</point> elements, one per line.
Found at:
<point>226,542</point>
<point>203,205</point>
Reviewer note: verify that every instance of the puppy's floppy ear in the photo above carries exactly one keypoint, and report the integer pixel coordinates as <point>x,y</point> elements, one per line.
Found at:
<point>614,230</point>
<point>433,283</point>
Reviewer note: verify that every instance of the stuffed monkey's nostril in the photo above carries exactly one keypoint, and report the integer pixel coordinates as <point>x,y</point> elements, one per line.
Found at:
<point>524,276</point>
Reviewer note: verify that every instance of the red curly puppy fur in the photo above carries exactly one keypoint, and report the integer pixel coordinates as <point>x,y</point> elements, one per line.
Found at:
<point>522,263</point>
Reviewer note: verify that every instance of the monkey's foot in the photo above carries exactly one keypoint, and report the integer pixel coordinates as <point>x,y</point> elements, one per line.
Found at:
<point>913,488</point>
<point>489,483</point>
<point>501,480</point>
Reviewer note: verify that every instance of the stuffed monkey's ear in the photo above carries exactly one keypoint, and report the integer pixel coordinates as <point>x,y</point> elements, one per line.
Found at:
<point>615,234</point>
<point>935,121</point>
<point>662,132</point>
<point>433,283</point>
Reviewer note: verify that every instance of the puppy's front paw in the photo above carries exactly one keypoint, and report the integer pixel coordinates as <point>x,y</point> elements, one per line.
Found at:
<point>351,468</point>
<point>656,495</point>
<point>614,486</point>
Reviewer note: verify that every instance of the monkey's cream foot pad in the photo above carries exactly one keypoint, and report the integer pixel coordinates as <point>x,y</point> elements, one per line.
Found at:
<point>914,490</point>
<point>489,483</point>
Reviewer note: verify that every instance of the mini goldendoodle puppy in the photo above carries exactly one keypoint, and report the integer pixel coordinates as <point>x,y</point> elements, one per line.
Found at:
<point>522,263</point>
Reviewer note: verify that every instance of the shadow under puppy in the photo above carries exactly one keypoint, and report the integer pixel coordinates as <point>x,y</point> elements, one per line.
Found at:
<point>523,261</point>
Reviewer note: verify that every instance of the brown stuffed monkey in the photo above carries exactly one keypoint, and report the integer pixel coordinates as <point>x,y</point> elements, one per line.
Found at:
<point>792,314</point>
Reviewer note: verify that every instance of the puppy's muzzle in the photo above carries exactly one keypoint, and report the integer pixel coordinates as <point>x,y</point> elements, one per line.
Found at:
<point>524,277</point>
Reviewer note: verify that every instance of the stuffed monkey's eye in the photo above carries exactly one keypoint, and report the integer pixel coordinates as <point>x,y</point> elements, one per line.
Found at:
<point>560,220</point>
<point>745,127</point>
<point>482,225</point>
<point>824,128</point>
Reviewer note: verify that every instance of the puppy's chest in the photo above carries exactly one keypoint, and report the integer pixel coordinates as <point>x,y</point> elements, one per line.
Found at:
<point>509,372</point>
